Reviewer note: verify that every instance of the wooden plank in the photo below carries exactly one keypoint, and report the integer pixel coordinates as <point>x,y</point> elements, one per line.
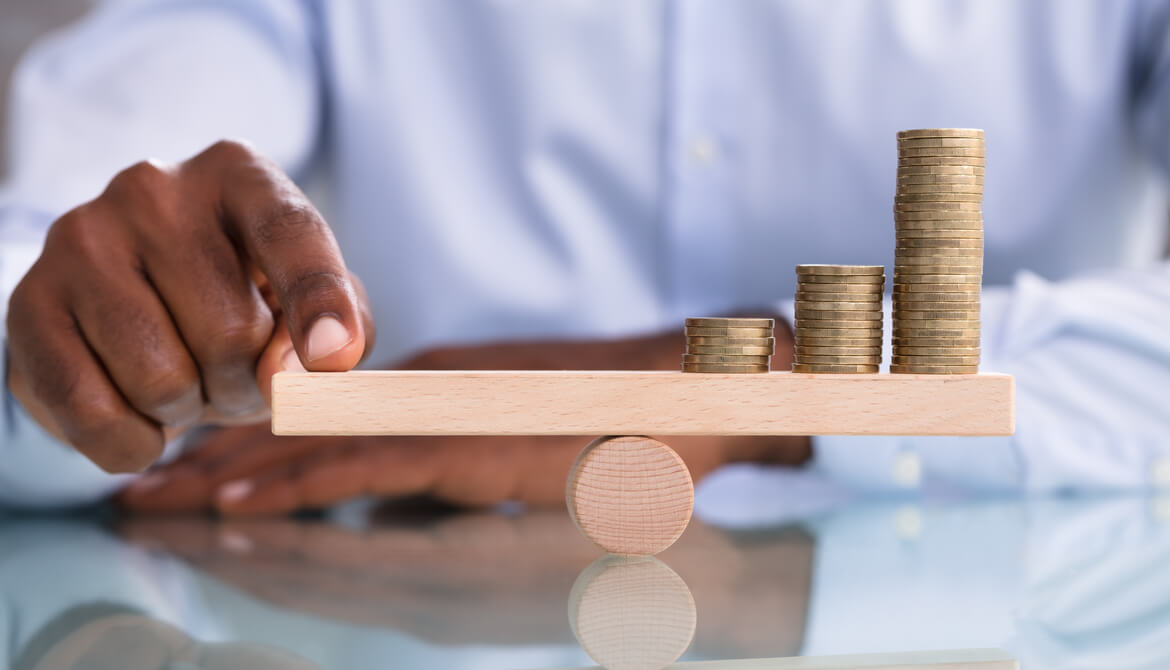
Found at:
<point>639,403</point>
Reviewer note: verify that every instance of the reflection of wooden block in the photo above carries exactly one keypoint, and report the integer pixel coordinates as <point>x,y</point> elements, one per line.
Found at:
<point>639,403</point>
<point>954,659</point>
<point>630,495</point>
<point>632,613</point>
<point>957,659</point>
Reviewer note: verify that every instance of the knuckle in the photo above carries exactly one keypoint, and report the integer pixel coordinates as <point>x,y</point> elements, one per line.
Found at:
<point>315,283</point>
<point>143,179</point>
<point>238,341</point>
<point>287,221</point>
<point>122,459</point>
<point>165,389</point>
<point>93,428</point>
<point>230,151</point>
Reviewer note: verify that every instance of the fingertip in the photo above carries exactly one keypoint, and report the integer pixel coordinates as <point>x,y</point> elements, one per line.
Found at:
<point>330,346</point>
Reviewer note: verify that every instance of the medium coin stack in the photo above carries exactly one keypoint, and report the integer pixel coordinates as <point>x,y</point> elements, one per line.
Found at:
<point>729,345</point>
<point>938,262</point>
<point>838,318</point>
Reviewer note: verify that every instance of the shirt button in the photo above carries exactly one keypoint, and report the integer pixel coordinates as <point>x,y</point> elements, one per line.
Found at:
<point>908,522</point>
<point>702,149</point>
<point>1160,473</point>
<point>907,471</point>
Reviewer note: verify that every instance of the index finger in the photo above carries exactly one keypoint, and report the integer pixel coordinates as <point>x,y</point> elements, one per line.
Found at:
<point>290,242</point>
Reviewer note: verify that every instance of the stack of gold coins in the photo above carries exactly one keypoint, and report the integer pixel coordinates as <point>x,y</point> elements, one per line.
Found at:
<point>729,345</point>
<point>938,262</point>
<point>838,318</point>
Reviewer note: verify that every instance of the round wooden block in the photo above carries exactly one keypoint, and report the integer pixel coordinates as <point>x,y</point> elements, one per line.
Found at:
<point>632,613</point>
<point>631,495</point>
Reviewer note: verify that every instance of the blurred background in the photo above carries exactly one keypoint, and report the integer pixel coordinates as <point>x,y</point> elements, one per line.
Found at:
<point>24,22</point>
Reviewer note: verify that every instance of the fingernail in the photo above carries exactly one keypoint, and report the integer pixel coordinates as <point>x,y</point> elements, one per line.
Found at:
<point>290,362</point>
<point>235,542</point>
<point>326,337</point>
<point>234,492</point>
<point>148,482</point>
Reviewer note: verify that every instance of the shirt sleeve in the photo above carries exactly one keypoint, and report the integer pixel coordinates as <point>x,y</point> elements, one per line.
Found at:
<point>1092,364</point>
<point>137,80</point>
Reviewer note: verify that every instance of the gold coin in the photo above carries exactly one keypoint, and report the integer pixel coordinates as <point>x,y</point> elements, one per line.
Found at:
<point>837,351</point>
<point>939,180</point>
<point>917,133</point>
<point>936,198</point>
<point>904,342</point>
<point>808,333</point>
<point>906,260</point>
<point>838,360</point>
<point>867,270</point>
<point>731,341</point>
<point>843,280</point>
<point>913,272</point>
<point>931,152</point>
<point>941,170</point>
<point>939,252</point>
<point>926,288</point>
<point>936,351</point>
<point>973,236</point>
<point>935,360</point>
<point>710,349</point>
<point>840,305</point>
<point>729,332</point>
<point>968,212</point>
<point>952,315</point>
<point>972,210</point>
<point>940,244</point>
<point>936,327</point>
<point>803,340</point>
<point>935,369</point>
<point>873,298</point>
<point>937,278</point>
<point>861,290</point>
<point>960,219</point>
<point>965,332</point>
<point>834,369</point>
<point>915,300</point>
<point>727,358</point>
<point>902,308</point>
<point>904,190</point>
<point>718,322</point>
<point>724,368</point>
<point>837,317</point>
<point>941,143</point>
<point>926,161</point>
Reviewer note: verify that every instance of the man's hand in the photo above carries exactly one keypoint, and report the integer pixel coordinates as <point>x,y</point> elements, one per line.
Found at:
<point>247,471</point>
<point>171,299</point>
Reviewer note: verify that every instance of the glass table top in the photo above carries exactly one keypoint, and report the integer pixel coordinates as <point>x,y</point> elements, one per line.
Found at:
<point>1058,583</point>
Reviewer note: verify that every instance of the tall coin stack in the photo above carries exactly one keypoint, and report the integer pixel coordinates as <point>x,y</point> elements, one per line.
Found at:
<point>938,261</point>
<point>838,318</point>
<point>729,345</point>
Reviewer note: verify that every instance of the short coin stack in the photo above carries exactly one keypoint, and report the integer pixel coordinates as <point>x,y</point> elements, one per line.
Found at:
<point>838,318</point>
<point>938,261</point>
<point>729,345</point>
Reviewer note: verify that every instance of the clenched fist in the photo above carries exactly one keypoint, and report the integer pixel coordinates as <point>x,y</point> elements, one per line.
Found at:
<point>170,300</point>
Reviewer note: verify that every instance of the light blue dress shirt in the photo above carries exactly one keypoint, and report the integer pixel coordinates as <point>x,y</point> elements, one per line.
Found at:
<point>497,169</point>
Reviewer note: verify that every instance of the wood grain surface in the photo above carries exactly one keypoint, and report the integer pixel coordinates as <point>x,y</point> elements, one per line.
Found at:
<point>631,495</point>
<point>632,613</point>
<point>639,403</point>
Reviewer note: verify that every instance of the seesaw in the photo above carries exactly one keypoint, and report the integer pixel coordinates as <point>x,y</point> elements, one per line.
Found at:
<point>632,494</point>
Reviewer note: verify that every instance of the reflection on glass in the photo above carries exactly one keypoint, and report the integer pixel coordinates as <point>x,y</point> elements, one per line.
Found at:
<point>1061,584</point>
<point>107,636</point>
<point>632,613</point>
